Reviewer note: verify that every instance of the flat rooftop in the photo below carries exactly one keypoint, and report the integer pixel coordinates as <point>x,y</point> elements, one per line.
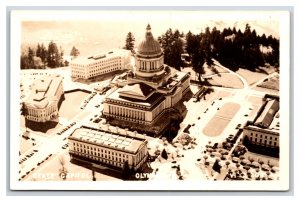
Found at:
<point>177,76</point>
<point>269,118</point>
<point>86,60</point>
<point>44,90</point>
<point>109,140</point>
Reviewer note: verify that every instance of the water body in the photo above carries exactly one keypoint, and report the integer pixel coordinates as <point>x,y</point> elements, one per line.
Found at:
<point>108,30</point>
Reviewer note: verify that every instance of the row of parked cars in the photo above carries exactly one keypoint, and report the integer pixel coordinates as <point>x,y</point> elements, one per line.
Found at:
<point>96,119</point>
<point>27,156</point>
<point>38,164</point>
<point>88,100</point>
<point>66,128</point>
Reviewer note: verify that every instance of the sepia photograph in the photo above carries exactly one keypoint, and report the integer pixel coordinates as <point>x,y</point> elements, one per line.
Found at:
<point>149,100</point>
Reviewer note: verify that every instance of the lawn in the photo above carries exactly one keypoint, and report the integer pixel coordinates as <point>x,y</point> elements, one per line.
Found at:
<point>228,110</point>
<point>251,77</point>
<point>221,119</point>
<point>215,126</point>
<point>268,69</point>
<point>223,94</point>
<point>271,83</point>
<point>214,69</point>
<point>226,80</point>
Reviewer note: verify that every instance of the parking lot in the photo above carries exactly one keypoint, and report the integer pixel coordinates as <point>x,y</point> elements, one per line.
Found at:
<point>71,105</point>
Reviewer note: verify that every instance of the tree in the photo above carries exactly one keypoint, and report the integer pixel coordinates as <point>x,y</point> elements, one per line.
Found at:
<point>129,44</point>
<point>63,170</point>
<point>251,159</point>
<point>30,58</point>
<point>173,48</point>
<point>227,163</point>
<point>196,52</point>
<point>93,174</point>
<point>164,154</point>
<point>205,158</point>
<point>37,61</point>
<point>43,53</point>
<point>126,171</point>
<point>217,167</point>
<point>53,55</point>
<point>24,61</point>
<point>61,59</point>
<point>66,63</point>
<point>198,61</point>
<point>206,46</point>
<point>74,52</point>
<point>38,51</point>
<point>261,162</point>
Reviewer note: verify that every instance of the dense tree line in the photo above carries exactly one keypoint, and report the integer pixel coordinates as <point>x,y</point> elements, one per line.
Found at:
<point>172,44</point>
<point>232,48</point>
<point>41,57</point>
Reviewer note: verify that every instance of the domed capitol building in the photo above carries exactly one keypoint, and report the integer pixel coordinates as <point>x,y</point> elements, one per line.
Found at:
<point>150,90</point>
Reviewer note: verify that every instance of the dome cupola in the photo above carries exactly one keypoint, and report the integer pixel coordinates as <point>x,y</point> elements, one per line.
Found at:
<point>149,46</point>
<point>149,59</point>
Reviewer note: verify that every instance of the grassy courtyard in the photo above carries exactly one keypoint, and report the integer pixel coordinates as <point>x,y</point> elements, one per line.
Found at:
<point>215,126</point>
<point>219,122</point>
<point>250,76</point>
<point>225,80</point>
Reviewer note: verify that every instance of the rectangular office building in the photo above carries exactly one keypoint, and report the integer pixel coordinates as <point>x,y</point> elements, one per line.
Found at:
<point>107,148</point>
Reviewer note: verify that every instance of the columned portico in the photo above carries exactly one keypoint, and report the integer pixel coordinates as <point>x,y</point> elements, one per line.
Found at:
<point>126,112</point>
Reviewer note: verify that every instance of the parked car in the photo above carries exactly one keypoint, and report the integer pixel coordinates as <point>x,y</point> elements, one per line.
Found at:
<point>238,126</point>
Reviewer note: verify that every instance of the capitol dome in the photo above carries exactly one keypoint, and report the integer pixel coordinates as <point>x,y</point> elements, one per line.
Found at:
<point>149,46</point>
<point>149,59</point>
